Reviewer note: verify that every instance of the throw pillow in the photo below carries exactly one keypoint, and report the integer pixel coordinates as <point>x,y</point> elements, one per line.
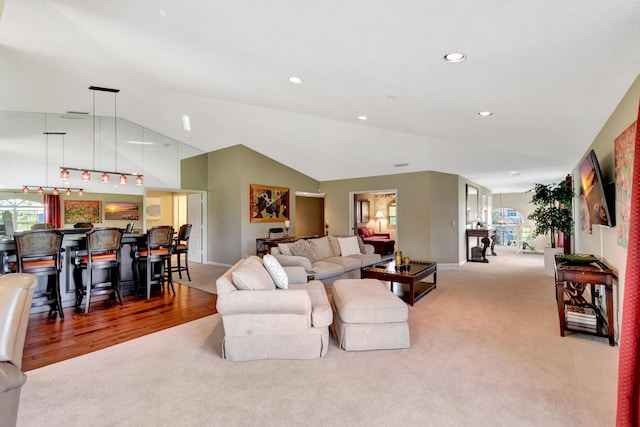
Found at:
<point>335,247</point>
<point>285,248</point>
<point>251,275</point>
<point>361,245</point>
<point>276,271</point>
<point>321,247</point>
<point>302,248</point>
<point>349,245</point>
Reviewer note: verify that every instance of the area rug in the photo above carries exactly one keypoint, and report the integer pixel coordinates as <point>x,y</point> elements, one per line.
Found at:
<point>485,351</point>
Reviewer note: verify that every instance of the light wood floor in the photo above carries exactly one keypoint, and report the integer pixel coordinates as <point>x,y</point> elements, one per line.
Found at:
<point>52,340</point>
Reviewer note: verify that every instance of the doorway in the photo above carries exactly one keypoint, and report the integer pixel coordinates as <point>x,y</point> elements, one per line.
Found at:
<point>309,214</point>
<point>375,209</point>
<point>170,207</point>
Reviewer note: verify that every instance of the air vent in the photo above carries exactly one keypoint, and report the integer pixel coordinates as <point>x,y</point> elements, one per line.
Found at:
<point>401,165</point>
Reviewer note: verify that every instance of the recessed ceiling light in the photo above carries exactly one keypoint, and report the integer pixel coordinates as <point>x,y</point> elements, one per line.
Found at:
<point>485,113</point>
<point>141,142</point>
<point>514,174</point>
<point>454,57</point>
<point>295,80</point>
<point>362,117</point>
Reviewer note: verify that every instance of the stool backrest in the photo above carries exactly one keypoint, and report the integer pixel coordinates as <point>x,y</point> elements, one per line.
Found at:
<point>129,228</point>
<point>43,226</point>
<point>185,232</point>
<point>104,239</point>
<point>38,244</point>
<point>82,225</point>
<point>160,236</point>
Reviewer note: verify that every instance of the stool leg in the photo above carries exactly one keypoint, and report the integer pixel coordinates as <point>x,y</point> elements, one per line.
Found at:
<point>57,292</point>
<point>88,291</point>
<point>171,276</point>
<point>186,264</point>
<point>116,284</point>
<point>149,267</point>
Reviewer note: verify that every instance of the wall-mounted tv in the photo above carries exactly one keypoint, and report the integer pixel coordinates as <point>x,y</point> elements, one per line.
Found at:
<point>594,193</point>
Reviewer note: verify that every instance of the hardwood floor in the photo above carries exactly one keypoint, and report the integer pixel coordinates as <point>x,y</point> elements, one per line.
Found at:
<point>52,340</point>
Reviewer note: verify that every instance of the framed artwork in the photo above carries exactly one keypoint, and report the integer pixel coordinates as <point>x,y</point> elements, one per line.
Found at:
<point>153,208</point>
<point>81,211</point>
<point>363,211</point>
<point>624,153</point>
<point>121,211</point>
<point>268,204</point>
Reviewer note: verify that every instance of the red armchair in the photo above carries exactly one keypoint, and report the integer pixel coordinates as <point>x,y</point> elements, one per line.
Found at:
<point>382,242</point>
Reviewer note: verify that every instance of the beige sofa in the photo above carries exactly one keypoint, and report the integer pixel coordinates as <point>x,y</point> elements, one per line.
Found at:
<point>327,259</point>
<point>263,321</point>
<point>16,294</point>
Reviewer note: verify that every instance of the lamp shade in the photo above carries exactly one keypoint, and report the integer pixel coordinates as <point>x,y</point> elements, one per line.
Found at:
<point>379,215</point>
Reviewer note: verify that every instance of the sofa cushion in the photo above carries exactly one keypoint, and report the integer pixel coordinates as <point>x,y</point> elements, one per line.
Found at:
<point>276,271</point>
<point>323,269</point>
<point>367,259</point>
<point>321,247</point>
<point>302,248</point>
<point>361,244</point>
<point>348,263</point>
<point>335,246</point>
<point>363,231</point>
<point>251,275</point>
<point>285,248</point>
<point>348,246</point>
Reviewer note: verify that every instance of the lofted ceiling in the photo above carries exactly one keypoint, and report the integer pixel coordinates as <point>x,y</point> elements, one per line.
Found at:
<point>551,72</point>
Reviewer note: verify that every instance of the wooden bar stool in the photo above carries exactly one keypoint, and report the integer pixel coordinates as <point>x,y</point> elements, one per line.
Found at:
<point>154,257</point>
<point>181,247</point>
<point>103,253</point>
<point>39,252</point>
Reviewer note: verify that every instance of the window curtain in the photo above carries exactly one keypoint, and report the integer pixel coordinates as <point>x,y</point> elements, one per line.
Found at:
<point>52,210</point>
<point>628,365</point>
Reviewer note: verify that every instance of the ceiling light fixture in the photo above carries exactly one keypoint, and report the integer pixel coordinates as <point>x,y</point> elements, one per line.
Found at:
<point>186,123</point>
<point>485,113</point>
<point>104,175</point>
<point>363,118</point>
<point>296,80</point>
<point>26,189</point>
<point>454,57</point>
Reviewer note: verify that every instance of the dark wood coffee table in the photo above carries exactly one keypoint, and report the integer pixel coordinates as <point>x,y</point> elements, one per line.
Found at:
<point>407,285</point>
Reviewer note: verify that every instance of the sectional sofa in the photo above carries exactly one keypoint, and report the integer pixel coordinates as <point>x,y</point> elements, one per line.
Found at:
<point>327,256</point>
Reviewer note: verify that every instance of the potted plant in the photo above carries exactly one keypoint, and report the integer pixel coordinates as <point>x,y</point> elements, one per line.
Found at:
<point>552,214</point>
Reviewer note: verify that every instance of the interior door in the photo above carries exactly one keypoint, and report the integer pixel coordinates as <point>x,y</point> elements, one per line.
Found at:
<point>195,213</point>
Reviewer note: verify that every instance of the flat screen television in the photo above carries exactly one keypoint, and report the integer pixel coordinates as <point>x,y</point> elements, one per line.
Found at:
<point>595,195</point>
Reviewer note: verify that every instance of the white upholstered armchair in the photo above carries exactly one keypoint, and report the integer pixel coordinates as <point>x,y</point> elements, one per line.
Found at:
<point>16,293</point>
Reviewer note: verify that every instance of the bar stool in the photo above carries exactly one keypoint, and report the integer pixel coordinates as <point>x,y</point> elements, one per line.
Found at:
<point>180,248</point>
<point>39,252</point>
<point>157,253</point>
<point>103,253</point>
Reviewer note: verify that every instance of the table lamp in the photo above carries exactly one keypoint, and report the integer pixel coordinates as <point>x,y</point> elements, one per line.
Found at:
<point>379,216</point>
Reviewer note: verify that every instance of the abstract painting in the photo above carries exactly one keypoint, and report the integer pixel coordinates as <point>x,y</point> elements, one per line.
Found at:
<point>268,204</point>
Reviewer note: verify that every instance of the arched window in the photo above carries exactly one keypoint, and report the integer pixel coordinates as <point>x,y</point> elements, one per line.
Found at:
<point>391,214</point>
<point>25,213</point>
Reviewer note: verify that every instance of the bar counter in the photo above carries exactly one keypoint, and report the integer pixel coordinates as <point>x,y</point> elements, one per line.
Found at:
<point>74,240</point>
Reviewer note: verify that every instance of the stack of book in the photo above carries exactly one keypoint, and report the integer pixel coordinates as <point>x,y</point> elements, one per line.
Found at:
<point>276,233</point>
<point>581,318</point>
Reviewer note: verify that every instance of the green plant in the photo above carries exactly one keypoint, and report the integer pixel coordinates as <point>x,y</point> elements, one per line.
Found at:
<point>553,209</point>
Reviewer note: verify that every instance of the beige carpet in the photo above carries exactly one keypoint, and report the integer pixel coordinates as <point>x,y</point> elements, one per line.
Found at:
<point>485,351</point>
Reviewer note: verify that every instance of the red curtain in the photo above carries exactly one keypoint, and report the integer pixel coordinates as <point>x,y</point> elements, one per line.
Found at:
<point>52,210</point>
<point>628,365</point>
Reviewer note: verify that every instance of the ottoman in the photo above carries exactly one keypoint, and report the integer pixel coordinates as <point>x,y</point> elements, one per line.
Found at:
<point>368,316</point>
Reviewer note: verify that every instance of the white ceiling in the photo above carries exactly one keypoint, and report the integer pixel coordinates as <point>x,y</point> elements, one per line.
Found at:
<point>551,72</point>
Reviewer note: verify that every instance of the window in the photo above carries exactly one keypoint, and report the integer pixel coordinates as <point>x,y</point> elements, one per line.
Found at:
<point>391,214</point>
<point>25,213</point>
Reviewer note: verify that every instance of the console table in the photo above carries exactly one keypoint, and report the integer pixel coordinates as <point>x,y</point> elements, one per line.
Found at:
<point>595,273</point>
<point>264,244</point>
<point>488,236</point>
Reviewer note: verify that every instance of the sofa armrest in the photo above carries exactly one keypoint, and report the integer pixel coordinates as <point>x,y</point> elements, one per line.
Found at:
<point>291,301</point>
<point>383,235</point>
<point>293,260</point>
<point>296,274</point>
<point>11,377</point>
